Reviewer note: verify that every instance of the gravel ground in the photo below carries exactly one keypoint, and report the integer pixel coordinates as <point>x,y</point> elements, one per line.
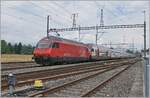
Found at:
<point>128,84</point>
<point>25,70</point>
<point>17,71</point>
<point>8,65</point>
<point>56,82</point>
<point>87,84</point>
<point>81,87</point>
<point>4,66</point>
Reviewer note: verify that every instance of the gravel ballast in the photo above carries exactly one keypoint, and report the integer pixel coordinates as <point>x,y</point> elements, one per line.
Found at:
<point>80,88</point>
<point>128,84</point>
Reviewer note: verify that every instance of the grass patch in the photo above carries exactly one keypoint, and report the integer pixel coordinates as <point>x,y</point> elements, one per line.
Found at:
<point>15,58</point>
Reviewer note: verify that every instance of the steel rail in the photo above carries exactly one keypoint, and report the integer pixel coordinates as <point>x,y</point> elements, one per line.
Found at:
<point>87,94</point>
<point>17,62</point>
<point>14,68</point>
<point>45,92</point>
<point>82,65</point>
<point>22,67</point>
<point>31,81</point>
<point>83,69</point>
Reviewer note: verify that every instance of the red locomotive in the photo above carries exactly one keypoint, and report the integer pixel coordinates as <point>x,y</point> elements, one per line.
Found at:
<point>50,50</point>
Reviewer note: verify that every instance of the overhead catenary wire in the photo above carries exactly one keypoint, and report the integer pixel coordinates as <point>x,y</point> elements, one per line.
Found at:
<point>97,4</point>
<point>23,19</point>
<point>125,16</point>
<point>54,12</point>
<point>61,14</point>
<point>63,8</point>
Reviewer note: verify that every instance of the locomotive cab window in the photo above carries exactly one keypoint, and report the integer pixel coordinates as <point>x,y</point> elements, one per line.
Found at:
<point>55,45</point>
<point>42,45</point>
<point>92,50</point>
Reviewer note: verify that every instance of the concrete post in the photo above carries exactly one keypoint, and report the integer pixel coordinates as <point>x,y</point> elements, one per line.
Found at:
<point>146,77</point>
<point>11,83</point>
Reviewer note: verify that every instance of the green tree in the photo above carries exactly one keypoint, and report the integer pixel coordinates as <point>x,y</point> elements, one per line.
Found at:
<point>27,49</point>
<point>19,48</point>
<point>3,46</point>
<point>10,48</point>
<point>24,49</point>
<point>16,48</point>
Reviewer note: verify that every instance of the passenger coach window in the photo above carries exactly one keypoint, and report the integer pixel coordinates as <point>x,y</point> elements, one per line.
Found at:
<point>55,45</point>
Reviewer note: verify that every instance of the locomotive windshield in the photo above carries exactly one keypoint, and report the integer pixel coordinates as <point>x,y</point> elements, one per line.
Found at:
<point>55,45</point>
<point>43,45</point>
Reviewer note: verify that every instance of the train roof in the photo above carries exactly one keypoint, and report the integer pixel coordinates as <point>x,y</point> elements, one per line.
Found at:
<point>54,38</point>
<point>114,50</point>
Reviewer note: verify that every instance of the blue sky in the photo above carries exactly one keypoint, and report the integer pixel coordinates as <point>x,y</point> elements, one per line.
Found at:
<point>25,21</point>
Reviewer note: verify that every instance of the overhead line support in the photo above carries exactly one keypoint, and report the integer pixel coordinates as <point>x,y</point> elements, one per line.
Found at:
<point>98,27</point>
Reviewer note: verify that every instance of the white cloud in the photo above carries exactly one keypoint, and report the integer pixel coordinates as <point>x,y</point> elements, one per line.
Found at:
<point>25,21</point>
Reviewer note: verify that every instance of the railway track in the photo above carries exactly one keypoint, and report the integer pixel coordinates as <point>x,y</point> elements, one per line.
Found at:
<point>17,62</point>
<point>49,69</point>
<point>79,71</point>
<point>81,86</point>
<point>103,83</point>
<point>6,66</point>
<point>31,81</point>
<point>37,74</point>
<point>15,68</point>
<point>57,70</point>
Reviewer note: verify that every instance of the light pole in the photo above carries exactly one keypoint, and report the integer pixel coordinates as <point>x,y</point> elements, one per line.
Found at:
<point>144,35</point>
<point>146,64</point>
<point>79,33</point>
<point>48,19</point>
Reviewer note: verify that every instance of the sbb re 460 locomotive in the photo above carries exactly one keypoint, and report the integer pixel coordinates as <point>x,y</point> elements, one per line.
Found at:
<point>50,50</point>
